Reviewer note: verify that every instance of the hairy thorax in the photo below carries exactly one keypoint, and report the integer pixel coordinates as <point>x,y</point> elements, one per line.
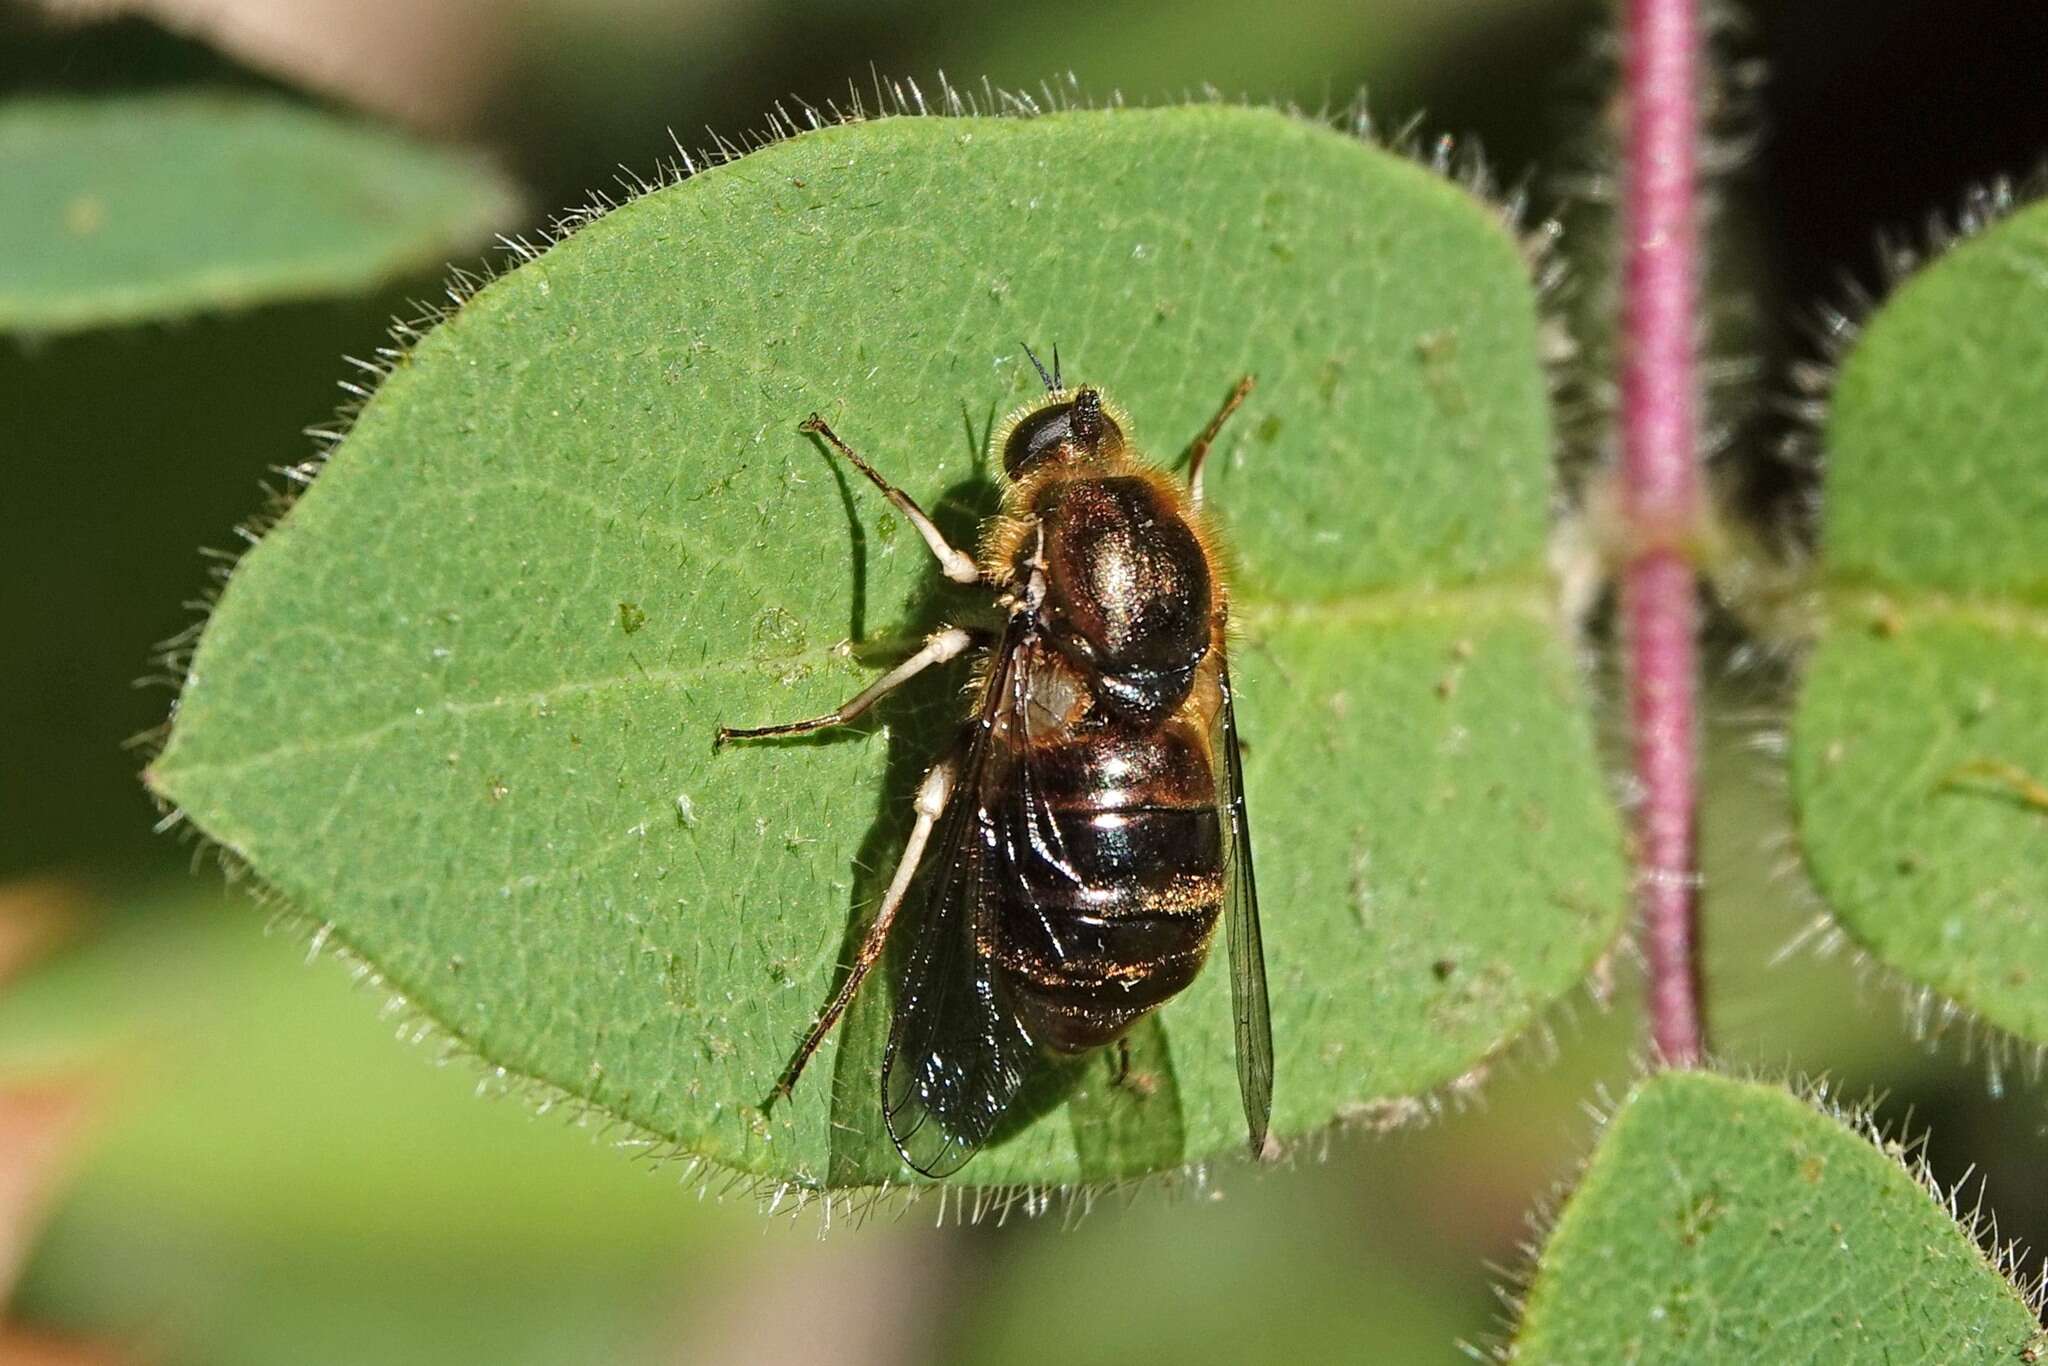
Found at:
<point>1128,595</point>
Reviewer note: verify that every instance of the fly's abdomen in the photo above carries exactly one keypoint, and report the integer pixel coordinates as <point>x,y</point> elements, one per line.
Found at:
<point>1111,880</point>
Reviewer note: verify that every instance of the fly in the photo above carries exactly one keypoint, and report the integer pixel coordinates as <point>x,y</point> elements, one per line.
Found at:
<point>1086,831</point>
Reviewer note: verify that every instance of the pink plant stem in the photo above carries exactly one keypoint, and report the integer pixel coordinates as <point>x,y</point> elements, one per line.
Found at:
<point>1661,492</point>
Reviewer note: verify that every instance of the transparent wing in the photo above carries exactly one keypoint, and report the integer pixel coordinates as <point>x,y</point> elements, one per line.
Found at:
<point>1241,928</point>
<point>956,1055</point>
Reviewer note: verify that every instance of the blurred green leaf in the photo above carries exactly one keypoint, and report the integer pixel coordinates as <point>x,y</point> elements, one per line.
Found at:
<point>1919,741</point>
<point>253,1094</point>
<point>278,1177</point>
<point>420,711</point>
<point>1723,1220</point>
<point>121,210</point>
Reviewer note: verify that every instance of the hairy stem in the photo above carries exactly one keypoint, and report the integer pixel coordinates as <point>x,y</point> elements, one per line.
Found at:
<point>1660,285</point>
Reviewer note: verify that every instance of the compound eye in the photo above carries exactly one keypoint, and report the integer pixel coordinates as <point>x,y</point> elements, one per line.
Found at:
<point>1036,435</point>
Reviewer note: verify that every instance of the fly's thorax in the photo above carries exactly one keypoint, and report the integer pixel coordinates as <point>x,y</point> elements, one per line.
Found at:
<point>1129,595</point>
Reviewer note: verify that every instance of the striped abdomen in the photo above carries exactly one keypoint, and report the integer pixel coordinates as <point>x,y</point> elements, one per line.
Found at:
<point>1108,848</point>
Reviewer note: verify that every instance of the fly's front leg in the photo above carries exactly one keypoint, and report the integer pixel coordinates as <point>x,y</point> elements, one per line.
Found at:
<point>932,797</point>
<point>1198,453</point>
<point>959,567</point>
<point>939,647</point>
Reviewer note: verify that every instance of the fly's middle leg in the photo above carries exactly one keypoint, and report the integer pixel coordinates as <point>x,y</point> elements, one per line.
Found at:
<point>939,648</point>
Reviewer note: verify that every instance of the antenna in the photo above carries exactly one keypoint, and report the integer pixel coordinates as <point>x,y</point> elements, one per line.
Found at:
<point>1052,381</point>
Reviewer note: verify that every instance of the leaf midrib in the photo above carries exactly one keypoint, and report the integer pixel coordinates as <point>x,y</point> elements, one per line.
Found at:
<point>1510,596</point>
<point>2000,612</point>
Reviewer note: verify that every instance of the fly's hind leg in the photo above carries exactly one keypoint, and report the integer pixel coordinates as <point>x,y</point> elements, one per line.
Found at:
<point>932,797</point>
<point>1140,1084</point>
<point>939,648</point>
<point>1198,451</point>
<point>959,566</point>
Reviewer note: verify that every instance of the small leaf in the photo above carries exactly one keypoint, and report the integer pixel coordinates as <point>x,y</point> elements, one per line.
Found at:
<point>1920,753</point>
<point>154,206</point>
<point>1722,1220</point>
<point>420,713</point>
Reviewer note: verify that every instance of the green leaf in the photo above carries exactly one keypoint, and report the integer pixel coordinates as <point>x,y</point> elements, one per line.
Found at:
<point>154,206</point>
<point>1919,747</point>
<point>420,713</point>
<point>1723,1220</point>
